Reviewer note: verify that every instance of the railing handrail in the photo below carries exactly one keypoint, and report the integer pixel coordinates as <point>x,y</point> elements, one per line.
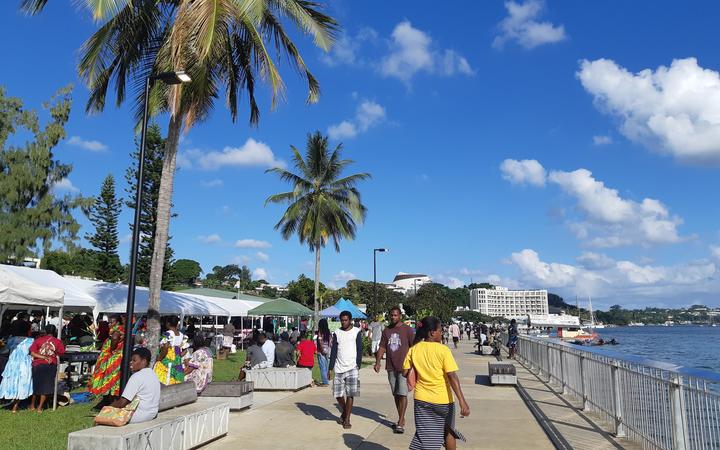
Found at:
<point>684,371</point>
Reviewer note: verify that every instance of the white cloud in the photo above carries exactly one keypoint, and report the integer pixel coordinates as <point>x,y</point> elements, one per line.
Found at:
<point>93,146</point>
<point>343,130</point>
<point>548,274</point>
<point>346,49</point>
<point>674,110</point>
<point>260,274</point>
<point>126,238</point>
<point>262,256</point>
<point>251,154</point>
<point>715,251</point>
<point>602,140</point>
<point>619,280</point>
<point>619,221</point>
<point>368,114</point>
<point>216,182</point>
<point>344,276</point>
<point>521,26</point>
<point>593,261</point>
<point>521,172</point>
<point>65,185</point>
<point>241,260</point>
<point>252,243</point>
<point>412,51</point>
<point>210,239</point>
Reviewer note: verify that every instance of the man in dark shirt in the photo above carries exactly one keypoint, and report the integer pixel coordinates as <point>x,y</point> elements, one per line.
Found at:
<point>254,359</point>
<point>284,352</point>
<point>395,342</point>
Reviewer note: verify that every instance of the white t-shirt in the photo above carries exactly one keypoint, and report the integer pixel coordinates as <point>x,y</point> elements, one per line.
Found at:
<point>346,350</point>
<point>145,385</point>
<point>269,349</point>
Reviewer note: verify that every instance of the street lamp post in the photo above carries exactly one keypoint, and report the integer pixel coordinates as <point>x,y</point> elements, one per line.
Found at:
<point>375,251</point>
<point>177,77</point>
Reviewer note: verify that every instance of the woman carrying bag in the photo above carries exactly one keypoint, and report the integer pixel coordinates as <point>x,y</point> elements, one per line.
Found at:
<point>436,373</point>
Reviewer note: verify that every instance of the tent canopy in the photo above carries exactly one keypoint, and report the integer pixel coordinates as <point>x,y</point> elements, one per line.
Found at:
<point>75,296</point>
<point>347,305</point>
<point>234,307</point>
<point>280,307</point>
<point>330,311</point>
<point>16,289</point>
<point>112,298</point>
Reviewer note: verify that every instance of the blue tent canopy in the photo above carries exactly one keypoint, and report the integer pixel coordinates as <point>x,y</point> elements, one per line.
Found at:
<point>347,305</point>
<point>330,311</point>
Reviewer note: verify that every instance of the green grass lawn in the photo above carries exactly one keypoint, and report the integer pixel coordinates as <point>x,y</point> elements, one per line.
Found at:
<point>49,430</point>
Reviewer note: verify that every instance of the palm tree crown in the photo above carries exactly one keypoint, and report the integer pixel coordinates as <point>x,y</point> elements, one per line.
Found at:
<point>322,205</point>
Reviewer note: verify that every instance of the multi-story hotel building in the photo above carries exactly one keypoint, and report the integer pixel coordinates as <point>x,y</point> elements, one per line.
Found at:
<point>503,302</point>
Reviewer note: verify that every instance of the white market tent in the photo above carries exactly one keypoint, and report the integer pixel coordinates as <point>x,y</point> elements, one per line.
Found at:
<point>236,308</point>
<point>19,290</point>
<point>18,287</point>
<point>112,298</point>
<point>75,297</point>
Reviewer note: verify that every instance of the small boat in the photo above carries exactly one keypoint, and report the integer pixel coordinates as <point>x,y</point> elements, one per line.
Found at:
<point>636,324</point>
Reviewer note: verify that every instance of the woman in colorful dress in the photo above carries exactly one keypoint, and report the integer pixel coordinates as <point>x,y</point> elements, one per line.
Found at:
<point>106,376</point>
<point>199,368</point>
<point>169,367</point>
<point>17,381</point>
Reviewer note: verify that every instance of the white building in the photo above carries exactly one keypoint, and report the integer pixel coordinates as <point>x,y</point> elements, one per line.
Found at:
<point>502,302</point>
<point>408,282</point>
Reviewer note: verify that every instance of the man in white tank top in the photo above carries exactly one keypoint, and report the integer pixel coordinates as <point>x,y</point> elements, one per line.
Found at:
<point>345,360</point>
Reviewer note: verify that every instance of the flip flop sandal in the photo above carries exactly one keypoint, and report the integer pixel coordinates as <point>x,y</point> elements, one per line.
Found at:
<point>341,420</point>
<point>347,426</point>
<point>399,430</point>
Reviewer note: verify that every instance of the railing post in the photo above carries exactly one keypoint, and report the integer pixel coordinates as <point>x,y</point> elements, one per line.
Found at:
<point>617,399</point>
<point>583,393</point>
<point>677,408</point>
<point>562,371</point>
<point>547,366</point>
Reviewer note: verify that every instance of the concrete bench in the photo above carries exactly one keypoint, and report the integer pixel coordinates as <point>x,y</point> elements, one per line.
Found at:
<point>182,424</point>
<point>239,394</point>
<point>280,378</point>
<point>502,373</point>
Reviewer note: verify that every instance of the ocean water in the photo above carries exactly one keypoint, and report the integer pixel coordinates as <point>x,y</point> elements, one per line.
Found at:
<point>692,346</point>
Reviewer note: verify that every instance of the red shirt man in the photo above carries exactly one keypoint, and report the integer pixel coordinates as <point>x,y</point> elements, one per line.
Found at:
<point>306,349</point>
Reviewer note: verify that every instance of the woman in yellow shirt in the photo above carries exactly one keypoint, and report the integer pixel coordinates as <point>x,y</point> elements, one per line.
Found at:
<point>435,369</point>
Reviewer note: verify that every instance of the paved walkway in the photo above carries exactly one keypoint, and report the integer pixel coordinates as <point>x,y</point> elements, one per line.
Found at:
<point>571,428</point>
<point>499,417</point>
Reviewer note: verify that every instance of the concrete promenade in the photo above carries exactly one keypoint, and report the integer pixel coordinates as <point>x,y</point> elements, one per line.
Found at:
<point>499,417</point>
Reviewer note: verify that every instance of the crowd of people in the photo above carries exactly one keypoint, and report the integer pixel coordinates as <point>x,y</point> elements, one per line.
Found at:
<point>416,358</point>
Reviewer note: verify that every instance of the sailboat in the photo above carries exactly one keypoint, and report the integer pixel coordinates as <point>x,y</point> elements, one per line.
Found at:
<point>593,324</point>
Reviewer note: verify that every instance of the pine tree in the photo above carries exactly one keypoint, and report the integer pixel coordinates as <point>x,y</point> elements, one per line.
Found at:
<point>154,150</point>
<point>104,216</point>
<point>33,213</point>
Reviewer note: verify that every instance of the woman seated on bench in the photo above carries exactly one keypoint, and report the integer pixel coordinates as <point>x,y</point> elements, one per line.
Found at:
<point>199,368</point>
<point>144,384</point>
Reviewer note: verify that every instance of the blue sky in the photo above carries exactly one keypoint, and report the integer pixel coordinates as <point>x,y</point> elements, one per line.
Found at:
<point>572,146</point>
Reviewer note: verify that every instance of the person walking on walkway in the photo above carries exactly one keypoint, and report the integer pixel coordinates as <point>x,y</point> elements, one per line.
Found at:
<point>376,332</point>
<point>455,333</point>
<point>436,372</point>
<point>323,344</point>
<point>395,343</point>
<point>345,361</point>
<point>512,338</point>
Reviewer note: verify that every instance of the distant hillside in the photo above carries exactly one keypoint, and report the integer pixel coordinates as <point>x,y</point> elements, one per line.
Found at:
<point>558,302</point>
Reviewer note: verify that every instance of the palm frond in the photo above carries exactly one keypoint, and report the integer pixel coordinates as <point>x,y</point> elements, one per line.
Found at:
<point>307,16</point>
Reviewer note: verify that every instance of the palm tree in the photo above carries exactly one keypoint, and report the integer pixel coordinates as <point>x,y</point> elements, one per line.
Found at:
<point>322,205</point>
<point>226,46</point>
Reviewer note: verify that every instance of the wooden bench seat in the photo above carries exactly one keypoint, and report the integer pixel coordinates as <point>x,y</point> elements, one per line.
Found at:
<point>280,378</point>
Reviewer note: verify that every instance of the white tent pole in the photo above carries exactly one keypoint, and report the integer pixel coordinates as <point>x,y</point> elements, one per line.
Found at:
<point>58,366</point>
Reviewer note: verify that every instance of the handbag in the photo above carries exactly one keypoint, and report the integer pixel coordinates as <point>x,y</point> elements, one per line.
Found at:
<point>411,379</point>
<point>116,417</point>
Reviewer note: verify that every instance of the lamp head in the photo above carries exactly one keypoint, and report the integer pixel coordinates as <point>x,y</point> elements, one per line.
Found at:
<point>176,77</point>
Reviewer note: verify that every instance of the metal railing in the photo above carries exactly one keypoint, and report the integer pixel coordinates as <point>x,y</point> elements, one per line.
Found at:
<point>658,405</point>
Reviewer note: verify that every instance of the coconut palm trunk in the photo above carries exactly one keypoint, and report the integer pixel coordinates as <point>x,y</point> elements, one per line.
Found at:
<point>162,229</point>
<point>316,316</point>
